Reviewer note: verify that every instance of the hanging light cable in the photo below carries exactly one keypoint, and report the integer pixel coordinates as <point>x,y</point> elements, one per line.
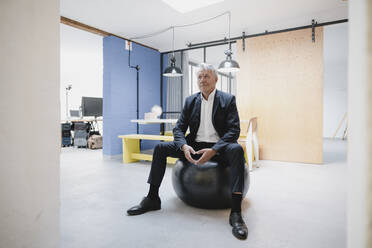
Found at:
<point>228,65</point>
<point>173,70</point>
<point>178,26</point>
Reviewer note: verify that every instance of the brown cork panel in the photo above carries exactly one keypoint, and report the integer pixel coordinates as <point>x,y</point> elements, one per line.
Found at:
<point>281,82</point>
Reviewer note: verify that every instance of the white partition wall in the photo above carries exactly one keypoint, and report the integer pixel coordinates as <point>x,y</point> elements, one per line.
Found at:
<point>359,233</point>
<point>30,128</point>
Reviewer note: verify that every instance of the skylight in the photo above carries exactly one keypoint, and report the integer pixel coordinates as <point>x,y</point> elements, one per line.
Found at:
<point>184,6</point>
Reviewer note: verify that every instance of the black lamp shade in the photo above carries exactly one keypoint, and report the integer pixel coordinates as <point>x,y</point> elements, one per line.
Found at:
<point>172,70</point>
<point>228,65</point>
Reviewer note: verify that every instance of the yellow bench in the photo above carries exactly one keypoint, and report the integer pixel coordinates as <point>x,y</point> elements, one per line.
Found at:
<point>131,147</point>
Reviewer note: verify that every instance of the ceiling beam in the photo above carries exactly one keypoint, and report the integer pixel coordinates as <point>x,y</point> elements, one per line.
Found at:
<point>94,30</point>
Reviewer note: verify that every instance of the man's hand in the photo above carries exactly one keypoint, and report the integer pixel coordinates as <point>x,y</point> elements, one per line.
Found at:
<point>208,153</point>
<point>187,150</point>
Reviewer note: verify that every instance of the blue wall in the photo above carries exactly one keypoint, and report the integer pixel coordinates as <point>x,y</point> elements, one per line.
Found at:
<point>120,92</point>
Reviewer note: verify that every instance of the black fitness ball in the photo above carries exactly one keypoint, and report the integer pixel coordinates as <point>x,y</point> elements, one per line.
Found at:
<point>205,186</point>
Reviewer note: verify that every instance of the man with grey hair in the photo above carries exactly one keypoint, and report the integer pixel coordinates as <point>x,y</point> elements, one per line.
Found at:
<point>214,125</point>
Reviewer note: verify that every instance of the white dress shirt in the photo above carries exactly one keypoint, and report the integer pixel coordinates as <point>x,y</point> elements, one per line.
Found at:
<point>206,131</point>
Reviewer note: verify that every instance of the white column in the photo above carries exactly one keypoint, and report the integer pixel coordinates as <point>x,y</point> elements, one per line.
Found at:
<point>359,133</point>
<point>29,126</point>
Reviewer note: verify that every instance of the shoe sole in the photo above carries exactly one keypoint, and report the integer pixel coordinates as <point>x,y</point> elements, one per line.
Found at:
<point>239,237</point>
<point>142,212</point>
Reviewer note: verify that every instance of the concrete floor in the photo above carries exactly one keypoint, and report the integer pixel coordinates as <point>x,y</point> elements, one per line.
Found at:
<point>288,205</point>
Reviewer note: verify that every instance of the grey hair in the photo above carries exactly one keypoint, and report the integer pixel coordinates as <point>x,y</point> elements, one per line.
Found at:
<point>207,67</point>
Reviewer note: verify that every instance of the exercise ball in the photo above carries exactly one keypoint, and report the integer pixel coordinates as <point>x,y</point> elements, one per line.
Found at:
<point>205,186</point>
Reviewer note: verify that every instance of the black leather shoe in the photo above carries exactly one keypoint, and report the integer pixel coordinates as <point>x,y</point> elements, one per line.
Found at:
<point>145,205</point>
<point>239,228</point>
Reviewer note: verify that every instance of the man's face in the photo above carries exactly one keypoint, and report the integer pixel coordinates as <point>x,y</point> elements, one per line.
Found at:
<point>206,81</point>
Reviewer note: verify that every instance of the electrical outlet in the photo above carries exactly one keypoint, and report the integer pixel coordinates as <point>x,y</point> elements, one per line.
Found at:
<point>128,45</point>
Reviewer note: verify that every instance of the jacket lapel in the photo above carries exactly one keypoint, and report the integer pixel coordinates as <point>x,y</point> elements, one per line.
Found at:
<point>215,106</point>
<point>197,111</point>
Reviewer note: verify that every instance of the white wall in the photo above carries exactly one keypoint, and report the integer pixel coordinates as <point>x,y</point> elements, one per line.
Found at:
<point>335,52</point>
<point>30,124</point>
<point>81,66</point>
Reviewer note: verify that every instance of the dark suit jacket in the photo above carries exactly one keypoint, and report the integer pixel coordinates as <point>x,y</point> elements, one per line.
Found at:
<point>225,120</point>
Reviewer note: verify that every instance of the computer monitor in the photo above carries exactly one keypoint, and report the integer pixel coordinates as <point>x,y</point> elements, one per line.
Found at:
<point>91,106</point>
<point>74,113</point>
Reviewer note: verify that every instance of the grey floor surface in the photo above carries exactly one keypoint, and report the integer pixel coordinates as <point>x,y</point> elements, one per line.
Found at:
<point>288,205</point>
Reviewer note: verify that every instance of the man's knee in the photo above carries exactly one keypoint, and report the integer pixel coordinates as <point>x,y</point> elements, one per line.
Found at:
<point>235,149</point>
<point>160,147</point>
<point>164,147</point>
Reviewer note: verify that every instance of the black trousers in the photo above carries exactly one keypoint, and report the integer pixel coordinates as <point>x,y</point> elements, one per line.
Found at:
<point>232,155</point>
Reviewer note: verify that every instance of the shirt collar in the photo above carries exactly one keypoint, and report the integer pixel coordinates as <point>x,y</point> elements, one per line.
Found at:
<point>210,97</point>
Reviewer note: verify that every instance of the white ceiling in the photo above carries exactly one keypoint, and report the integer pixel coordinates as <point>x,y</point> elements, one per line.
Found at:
<point>134,18</point>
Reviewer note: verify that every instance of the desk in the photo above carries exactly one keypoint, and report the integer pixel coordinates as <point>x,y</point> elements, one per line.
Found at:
<point>82,120</point>
<point>155,121</point>
<point>162,121</point>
